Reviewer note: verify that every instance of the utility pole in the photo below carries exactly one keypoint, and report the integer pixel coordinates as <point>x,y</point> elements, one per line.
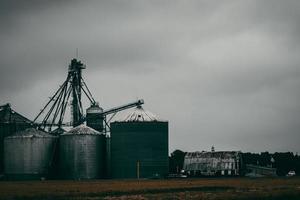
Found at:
<point>138,169</point>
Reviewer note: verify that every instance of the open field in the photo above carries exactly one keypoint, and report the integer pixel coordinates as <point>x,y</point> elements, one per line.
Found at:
<point>216,188</point>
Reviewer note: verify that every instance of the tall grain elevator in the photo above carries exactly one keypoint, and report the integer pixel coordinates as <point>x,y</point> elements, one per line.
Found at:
<point>139,146</point>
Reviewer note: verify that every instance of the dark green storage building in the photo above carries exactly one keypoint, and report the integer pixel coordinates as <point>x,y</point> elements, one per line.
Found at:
<point>139,146</point>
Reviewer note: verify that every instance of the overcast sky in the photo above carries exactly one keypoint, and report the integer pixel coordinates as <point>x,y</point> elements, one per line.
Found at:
<point>223,73</point>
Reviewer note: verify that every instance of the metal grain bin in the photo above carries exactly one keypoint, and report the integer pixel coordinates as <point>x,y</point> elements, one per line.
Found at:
<point>10,123</point>
<point>28,154</point>
<point>94,117</point>
<point>139,146</point>
<point>82,153</point>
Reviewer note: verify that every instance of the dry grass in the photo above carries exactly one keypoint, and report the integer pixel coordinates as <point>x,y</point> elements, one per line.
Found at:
<point>222,188</point>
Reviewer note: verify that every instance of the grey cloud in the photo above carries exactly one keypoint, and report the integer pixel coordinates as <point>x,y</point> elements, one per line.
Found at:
<point>223,74</point>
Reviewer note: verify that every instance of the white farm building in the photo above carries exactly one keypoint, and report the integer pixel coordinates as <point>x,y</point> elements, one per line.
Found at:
<point>219,163</point>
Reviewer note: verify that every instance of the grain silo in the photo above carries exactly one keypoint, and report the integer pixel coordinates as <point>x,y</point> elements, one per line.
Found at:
<point>10,123</point>
<point>82,153</point>
<point>28,154</point>
<point>139,146</point>
<point>94,117</point>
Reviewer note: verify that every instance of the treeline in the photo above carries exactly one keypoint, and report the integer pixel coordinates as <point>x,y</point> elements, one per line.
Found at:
<point>176,161</point>
<point>283,162</point>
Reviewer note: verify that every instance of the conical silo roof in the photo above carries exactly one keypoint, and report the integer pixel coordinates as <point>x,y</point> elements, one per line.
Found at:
<point>140,115</point>
<point>30,132</point>
<point>58,131</point>
<point>82,130</point>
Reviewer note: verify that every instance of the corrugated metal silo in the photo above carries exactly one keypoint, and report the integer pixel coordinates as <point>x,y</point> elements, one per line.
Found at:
<point>82,153</point>
<point>94,117</point>
<point>28,154</point>
<point>139,146</point>
<point>10,123</point>
<point>54,172</point>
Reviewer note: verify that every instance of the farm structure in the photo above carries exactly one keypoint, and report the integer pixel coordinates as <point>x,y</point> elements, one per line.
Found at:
<point>93,147</point>
<point>139,146</point>
<point>220,163</point>
<point>82,153</point>
<point>10,123</point>
<point>28,154</point>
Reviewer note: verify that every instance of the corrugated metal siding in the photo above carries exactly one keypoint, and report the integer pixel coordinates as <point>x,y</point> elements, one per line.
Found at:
<point>82,156</point>
<point>108,158</point>
<point>143,142</point>
<point>94,118</point>
<point>28,156</point>
<point>10,123</point>
<point>7,129</point>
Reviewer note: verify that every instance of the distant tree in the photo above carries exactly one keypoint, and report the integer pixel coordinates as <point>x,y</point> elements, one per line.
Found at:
<point>251,158</point>
<point>285,162</point>
<point>265,159</point>
<point>176,161</point>
<point>297,163</point>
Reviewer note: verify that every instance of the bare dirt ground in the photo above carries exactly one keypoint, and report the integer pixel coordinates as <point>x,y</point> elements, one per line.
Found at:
<point>202,188</point>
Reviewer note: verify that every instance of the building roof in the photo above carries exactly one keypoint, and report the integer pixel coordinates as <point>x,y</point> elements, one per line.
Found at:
<point>82,130</point>
<point>140,115</point>
<point>30,132</point>
<point>8,115</point>
<point>58,131</point>
<point>209,154</point>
